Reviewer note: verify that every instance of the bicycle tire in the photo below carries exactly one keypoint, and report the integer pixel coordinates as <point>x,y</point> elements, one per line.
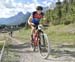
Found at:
<point>43,37</point>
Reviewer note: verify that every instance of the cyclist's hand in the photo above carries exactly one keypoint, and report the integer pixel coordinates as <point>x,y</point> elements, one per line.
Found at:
<point>44,18</point>
<point>32,24</point>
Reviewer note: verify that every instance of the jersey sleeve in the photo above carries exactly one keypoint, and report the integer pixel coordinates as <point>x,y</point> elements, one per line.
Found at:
<point>33,12</point>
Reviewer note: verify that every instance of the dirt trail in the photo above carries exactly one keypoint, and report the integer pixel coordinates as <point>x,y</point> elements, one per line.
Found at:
<point>27,55</point>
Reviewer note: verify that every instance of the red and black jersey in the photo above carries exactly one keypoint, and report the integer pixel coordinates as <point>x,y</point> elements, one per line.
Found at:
<point>38,16</point>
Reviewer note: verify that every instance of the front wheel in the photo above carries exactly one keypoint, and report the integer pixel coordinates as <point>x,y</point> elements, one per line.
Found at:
<point>44,45</point>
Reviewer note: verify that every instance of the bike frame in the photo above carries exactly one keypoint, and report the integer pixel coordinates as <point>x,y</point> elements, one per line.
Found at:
<point>36,36</point>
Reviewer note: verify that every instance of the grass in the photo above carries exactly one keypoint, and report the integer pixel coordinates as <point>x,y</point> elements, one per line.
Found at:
<point>23,34</point>
<point>1,44</point>
<point>2,39</point>
<point>58,34</point>
<point>61,34</point>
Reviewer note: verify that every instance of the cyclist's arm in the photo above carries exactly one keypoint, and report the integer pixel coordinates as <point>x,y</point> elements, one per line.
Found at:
<point>30,20</point>
<point>44,18</point>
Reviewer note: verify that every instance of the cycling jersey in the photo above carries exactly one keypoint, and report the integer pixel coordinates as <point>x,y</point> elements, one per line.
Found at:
<point>36,17</point>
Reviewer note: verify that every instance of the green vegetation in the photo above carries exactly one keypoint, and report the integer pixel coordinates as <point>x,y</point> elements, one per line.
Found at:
<point>61,34</point>
<point>1,44</point>
<point>23,34</point>
<point>2,39</point>
<point>64,13</point>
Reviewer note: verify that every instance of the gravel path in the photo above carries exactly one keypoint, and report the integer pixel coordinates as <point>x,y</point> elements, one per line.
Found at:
<point>27,55</point>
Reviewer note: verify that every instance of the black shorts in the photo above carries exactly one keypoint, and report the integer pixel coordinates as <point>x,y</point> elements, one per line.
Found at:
<point>36,26</point>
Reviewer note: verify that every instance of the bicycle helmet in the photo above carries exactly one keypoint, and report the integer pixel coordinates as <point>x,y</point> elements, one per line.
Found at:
<point>39,8</point>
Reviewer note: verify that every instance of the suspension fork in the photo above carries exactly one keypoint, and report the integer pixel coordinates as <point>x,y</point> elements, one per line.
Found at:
<point>42,37</point>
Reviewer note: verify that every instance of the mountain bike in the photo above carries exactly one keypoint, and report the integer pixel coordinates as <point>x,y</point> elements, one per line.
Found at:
<point>41,42</point>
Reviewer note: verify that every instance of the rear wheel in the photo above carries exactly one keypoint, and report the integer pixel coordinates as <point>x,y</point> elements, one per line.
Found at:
<point>44,45</point>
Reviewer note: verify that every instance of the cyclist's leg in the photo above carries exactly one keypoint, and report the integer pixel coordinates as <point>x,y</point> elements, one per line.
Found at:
<point>34,29</point>
<point>32,32</point>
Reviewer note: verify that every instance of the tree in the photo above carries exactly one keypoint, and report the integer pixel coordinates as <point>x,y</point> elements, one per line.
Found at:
<point>59,11</point>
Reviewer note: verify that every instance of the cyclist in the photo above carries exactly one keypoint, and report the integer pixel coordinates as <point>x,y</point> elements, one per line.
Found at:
<point>34,19</point>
